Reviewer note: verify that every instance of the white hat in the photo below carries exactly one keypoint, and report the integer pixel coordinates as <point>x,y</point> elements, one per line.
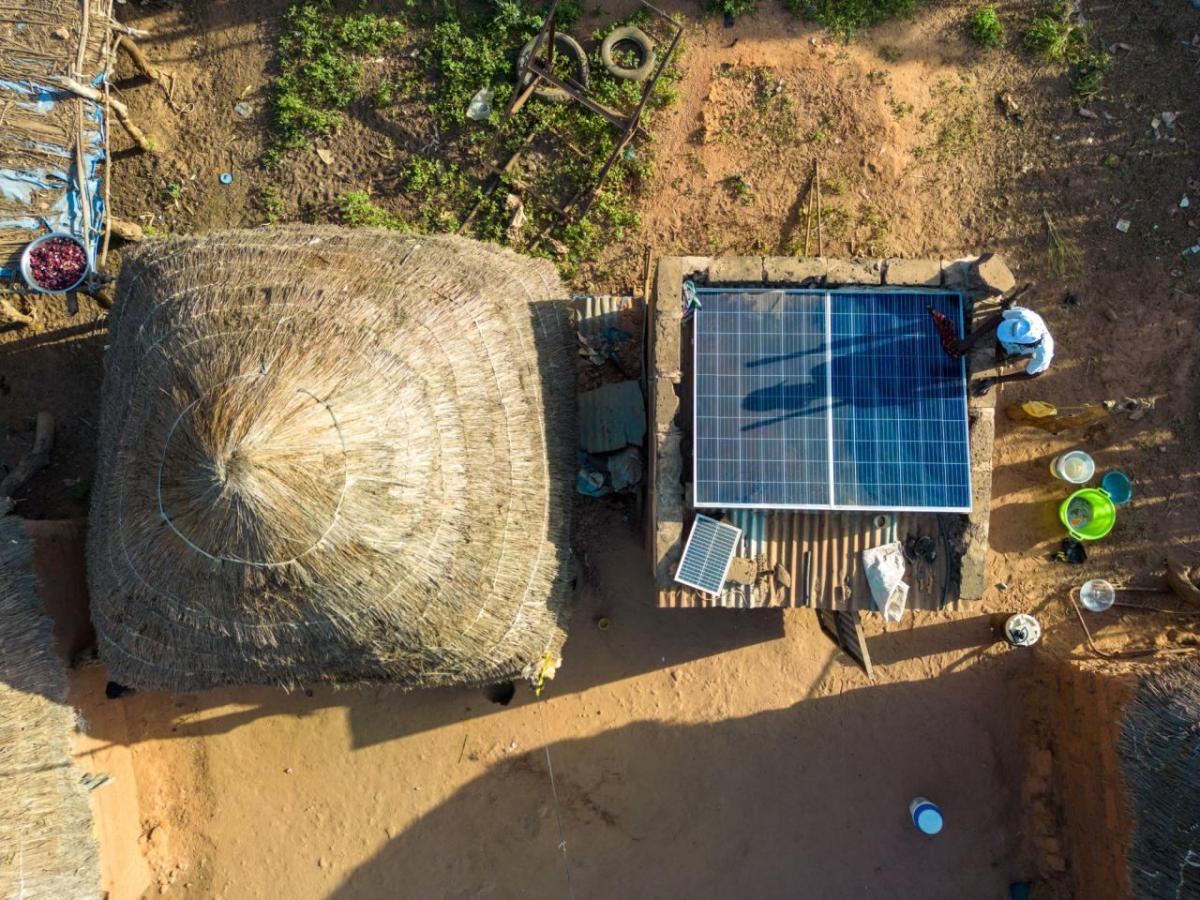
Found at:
<point>1017,331</point>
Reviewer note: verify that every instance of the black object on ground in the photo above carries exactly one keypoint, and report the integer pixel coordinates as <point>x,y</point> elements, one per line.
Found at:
<point>501,693</point>
<point>1072,552</point>
<point>115,691</point>
<point>920,547</point>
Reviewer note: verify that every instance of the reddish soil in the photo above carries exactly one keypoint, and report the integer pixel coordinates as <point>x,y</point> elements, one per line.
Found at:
<point>700,754</point>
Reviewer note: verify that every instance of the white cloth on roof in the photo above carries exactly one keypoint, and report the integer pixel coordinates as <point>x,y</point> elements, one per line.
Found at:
<point>1024,333</point>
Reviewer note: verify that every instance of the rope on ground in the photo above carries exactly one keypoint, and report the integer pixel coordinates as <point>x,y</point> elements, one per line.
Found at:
<point>548,663</point>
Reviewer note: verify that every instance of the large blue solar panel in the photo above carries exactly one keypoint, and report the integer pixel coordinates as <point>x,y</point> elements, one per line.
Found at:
<point>840,399</point>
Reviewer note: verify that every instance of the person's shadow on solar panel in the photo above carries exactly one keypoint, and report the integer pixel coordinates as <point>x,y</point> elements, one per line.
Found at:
<point>919,375</point>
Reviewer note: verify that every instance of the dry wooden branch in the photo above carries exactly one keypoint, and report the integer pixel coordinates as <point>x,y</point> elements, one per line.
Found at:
<point>9,313</point>
<point>126,230</point>
<point>104,294</point>
<point>31,463</point>
<point>138,58</point>
<point>122,111</point>
<point>1179,578</point>
<point>122,28</point>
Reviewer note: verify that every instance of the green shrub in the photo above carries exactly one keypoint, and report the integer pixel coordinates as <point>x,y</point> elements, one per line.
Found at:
<point>845,17</point>
<point>985,28</point>
<point>1088,72</point>
<point>1058,39</point>
<point>1050,36</point>
<point>735,8</point>
<point>318,70</point>
<point>357,210</point>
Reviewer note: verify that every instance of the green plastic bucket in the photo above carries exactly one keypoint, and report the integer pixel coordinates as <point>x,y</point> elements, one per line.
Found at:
<point>1089,514</point>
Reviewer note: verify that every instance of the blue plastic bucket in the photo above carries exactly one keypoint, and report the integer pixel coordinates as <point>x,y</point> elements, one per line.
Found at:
<point>1116,485</point>
<point>926,816</point>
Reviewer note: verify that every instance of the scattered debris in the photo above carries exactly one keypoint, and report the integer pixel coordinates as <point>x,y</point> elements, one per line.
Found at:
<point>243,109</point>
<point>1009,107</point>
<point>326,156</point>
<point>226,178</point>
<point>1184,202</point>
<point>920,547</point>
<point>1123,225</point>
<point>782,576</point>
<point>1072,552</point>
<point>517,223</point>
<point>1179,577</point>
<point>884,569</point>
<point>1137,407</point>
<point>603,347</point>
<point>1047,417</point>
<point>480,107</point>
<point>1163,126</point>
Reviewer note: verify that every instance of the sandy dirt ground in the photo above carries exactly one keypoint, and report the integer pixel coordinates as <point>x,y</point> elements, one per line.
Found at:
<point>696,753</point>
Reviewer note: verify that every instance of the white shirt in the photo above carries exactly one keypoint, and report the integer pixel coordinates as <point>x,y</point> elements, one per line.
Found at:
<point>1036,343</point>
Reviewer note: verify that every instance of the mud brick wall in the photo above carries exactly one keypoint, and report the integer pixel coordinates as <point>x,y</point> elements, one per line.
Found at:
<point>1085,710</point>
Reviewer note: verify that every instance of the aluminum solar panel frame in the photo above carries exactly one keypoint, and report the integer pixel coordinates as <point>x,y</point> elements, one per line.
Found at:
<point>706,557</point>
<point>843,399</point>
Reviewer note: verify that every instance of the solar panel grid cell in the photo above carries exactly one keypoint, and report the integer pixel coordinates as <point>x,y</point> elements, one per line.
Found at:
<point>840,399</point>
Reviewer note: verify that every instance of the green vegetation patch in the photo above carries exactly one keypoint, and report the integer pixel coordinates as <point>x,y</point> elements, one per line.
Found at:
<point>444,176</point>
<point>1058,38</point>
<point>845,17</point>
<point>985,28</point>
<point>319,69</point>
<point>734,8</point>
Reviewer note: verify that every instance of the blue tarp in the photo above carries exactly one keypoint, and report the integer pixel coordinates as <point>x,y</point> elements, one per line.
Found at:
<point>23,186</point>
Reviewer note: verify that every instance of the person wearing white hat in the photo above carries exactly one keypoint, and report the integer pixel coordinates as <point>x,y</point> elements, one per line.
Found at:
<point>1019,332</point>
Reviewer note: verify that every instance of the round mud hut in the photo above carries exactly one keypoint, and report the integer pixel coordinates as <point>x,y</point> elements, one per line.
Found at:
<point>333,456</point>
<point>47,848</point>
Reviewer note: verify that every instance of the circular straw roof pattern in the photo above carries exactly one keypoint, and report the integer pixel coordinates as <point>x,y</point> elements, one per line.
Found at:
<point>331,455</point>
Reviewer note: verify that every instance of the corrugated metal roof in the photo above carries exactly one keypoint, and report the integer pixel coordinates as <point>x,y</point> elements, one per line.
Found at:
<point>595,312</point>
<point>611,417</point>
<point>822,554</point>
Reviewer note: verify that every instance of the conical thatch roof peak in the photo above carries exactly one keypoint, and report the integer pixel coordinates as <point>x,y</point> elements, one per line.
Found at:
<point>333,455</point>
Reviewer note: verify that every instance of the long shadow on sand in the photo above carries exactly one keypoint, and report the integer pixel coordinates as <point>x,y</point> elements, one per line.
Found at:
<point>808,801</point>
<point>641,638</point>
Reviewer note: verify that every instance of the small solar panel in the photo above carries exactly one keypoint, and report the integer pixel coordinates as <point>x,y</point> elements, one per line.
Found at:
<point>707,555</point>
<point>813,399</point>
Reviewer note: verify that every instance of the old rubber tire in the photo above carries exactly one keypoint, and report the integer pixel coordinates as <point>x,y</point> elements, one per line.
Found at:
<point>627,34</point>
<point>565,44</point>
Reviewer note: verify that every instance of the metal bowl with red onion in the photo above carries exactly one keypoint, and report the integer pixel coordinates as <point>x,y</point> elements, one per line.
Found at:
<point>57,264</point>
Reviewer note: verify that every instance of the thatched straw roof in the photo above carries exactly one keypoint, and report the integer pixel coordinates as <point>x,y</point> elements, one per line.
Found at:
<point>47,851</point>
<point>1160,753</point>
<point>332,455</point>
<point>43,129</point>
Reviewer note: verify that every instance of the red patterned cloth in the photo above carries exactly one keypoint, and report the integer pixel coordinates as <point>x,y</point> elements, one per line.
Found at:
<point>946,331</point>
